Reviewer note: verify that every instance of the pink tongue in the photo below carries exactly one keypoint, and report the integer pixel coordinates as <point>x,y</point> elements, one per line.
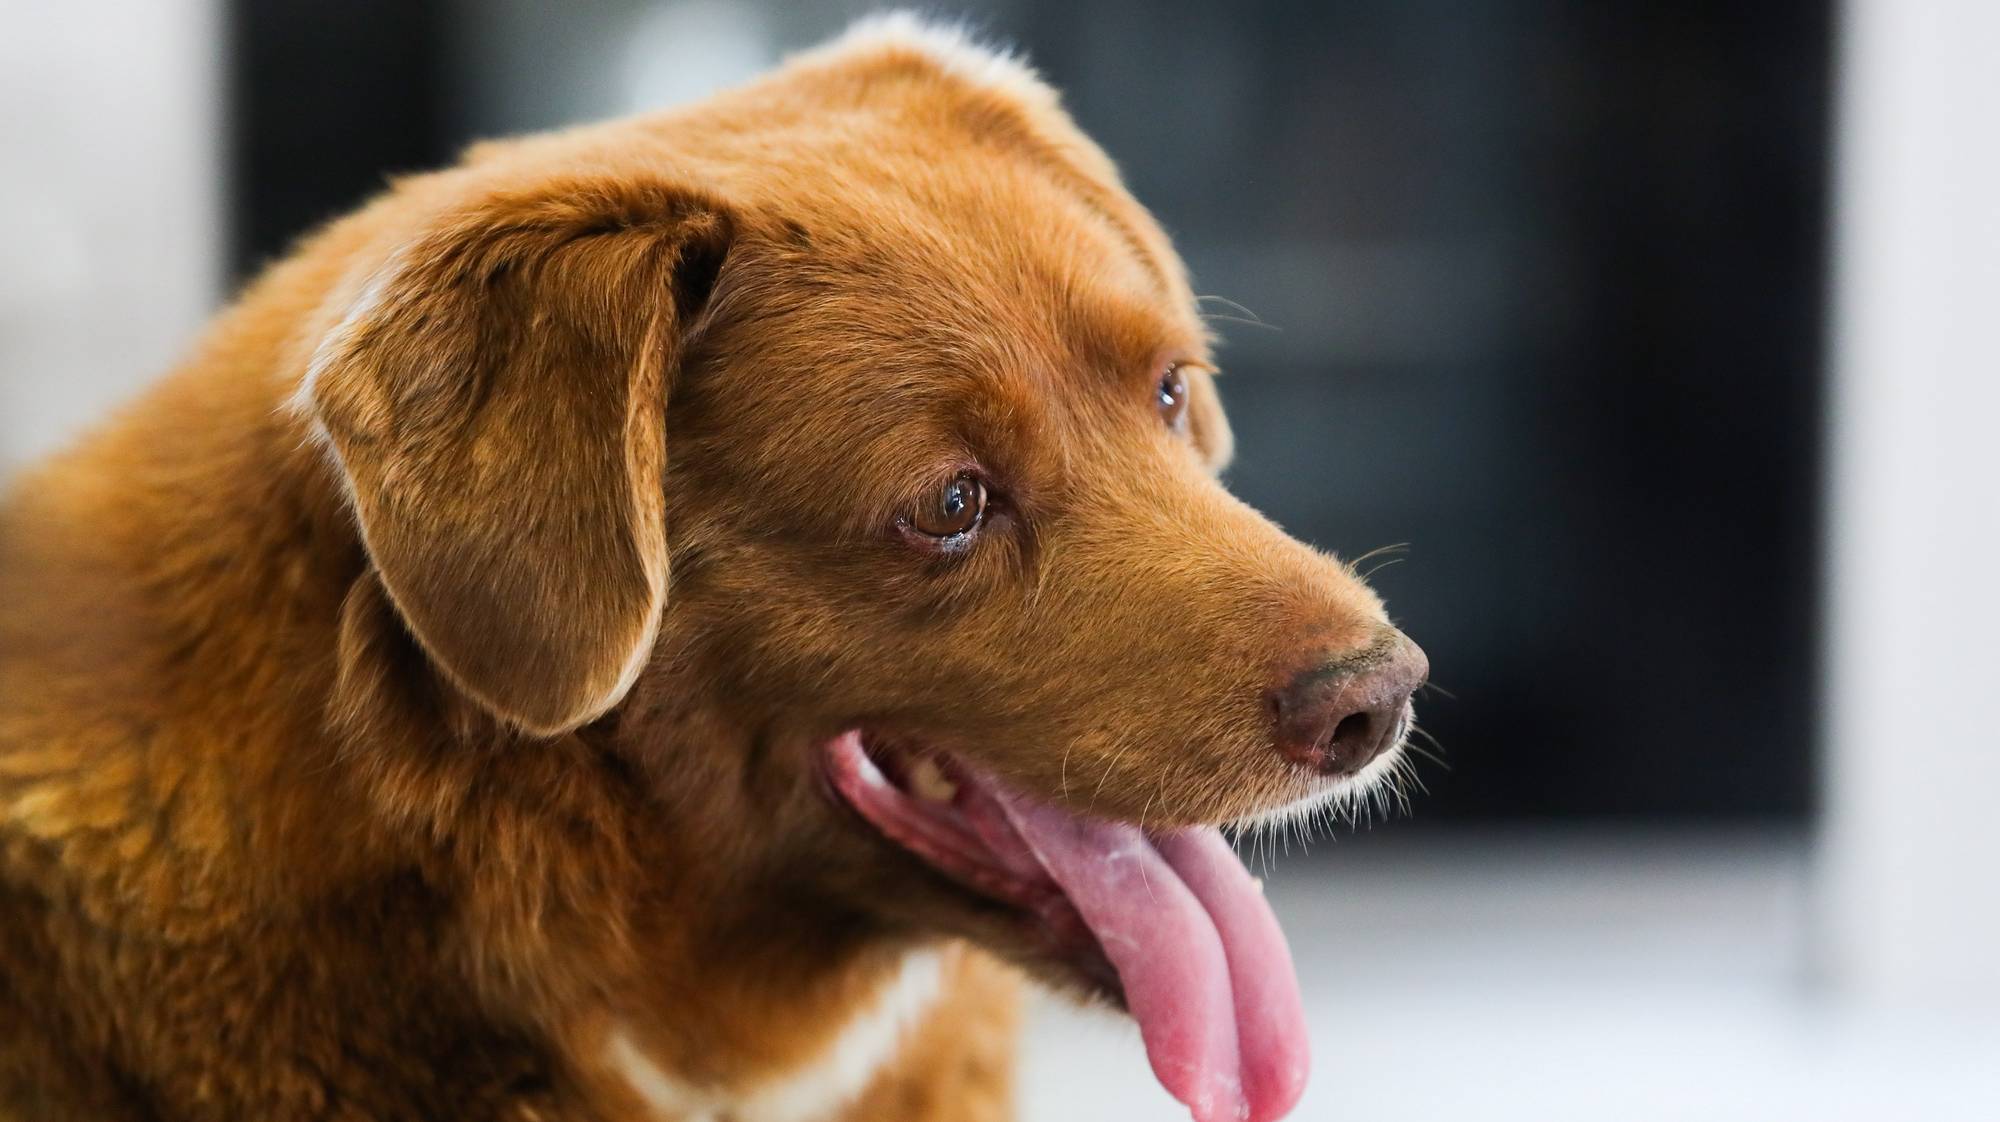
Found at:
<point>1204,966</point>
<point>1270,1021</point>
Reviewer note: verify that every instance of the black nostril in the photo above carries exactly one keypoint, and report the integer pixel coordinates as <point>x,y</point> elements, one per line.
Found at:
<point>1353,731</point>
<point>1360,737</point>
<point>1339,716</point>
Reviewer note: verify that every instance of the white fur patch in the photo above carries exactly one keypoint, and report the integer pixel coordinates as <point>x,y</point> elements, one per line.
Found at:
<point>953,47</point>
<point>369,289</point>
<point>335,342</point>
<point>1338,797</point>
<point>809,1093</point>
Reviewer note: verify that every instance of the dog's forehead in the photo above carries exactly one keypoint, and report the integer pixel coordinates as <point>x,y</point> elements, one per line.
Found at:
<point>978,315</point>
<point>938,253</point>
<point>1013,277</point>
<point>943,181</point>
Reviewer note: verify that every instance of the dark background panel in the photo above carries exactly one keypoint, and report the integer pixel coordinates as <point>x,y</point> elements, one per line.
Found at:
<point>327,100</point>
<point>1533,287</point>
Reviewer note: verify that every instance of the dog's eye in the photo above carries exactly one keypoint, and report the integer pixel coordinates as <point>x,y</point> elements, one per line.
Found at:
<point>1171,395</point>
<point>954,510</point>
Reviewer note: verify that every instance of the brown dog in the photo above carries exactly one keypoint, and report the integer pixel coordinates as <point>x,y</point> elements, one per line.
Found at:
<point>628,626</point>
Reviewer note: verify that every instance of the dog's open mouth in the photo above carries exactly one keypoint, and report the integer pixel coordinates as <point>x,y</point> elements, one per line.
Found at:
<point>1171,922</point>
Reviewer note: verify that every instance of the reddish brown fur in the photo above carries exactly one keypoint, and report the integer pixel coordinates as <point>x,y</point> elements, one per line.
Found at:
<point>322,792</point>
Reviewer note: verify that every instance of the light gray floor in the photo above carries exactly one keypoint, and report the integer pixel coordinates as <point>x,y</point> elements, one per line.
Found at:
<point>1555,977</point>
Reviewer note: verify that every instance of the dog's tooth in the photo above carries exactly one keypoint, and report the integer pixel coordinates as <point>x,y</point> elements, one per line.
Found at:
<point>871,774</point>
<point>1259,882</point>
<point>929,782</point>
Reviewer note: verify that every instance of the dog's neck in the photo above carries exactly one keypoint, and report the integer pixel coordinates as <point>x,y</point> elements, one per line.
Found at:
<point>670,957</point>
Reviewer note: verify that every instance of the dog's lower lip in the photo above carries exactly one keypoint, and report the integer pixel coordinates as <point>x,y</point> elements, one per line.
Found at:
<point>1043,914</point>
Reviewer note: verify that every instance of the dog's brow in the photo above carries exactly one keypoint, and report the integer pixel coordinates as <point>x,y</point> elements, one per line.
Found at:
<point>1129,235</point>
<point>1102,201</point>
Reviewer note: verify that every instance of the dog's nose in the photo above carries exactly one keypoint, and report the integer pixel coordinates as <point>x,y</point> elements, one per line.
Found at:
<point>1336,717</point>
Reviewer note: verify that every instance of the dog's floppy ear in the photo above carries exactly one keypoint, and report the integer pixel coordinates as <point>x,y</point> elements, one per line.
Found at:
<point>496,398</point>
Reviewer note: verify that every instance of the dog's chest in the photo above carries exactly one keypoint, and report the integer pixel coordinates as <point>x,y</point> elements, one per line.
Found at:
<point>810,1092</point>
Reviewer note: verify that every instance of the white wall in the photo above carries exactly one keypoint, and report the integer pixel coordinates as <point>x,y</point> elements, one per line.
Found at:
<point>110,203</point>
<point>1911,844</point>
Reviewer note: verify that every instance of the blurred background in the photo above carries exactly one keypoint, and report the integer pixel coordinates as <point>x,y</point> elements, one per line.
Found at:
<point>1658,336</point>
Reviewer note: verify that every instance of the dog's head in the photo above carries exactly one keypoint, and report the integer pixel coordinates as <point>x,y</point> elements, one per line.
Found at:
<point>844,450</point>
